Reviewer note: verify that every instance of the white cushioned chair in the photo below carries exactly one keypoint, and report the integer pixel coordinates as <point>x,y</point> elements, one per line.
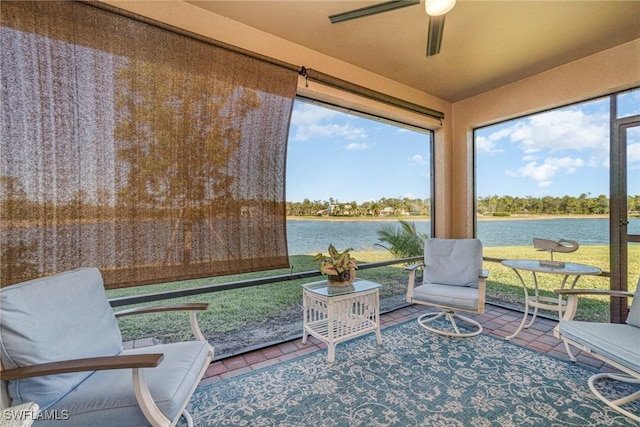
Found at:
<point>453,280</point>
<point>61,348</point>
<point>615,344</point>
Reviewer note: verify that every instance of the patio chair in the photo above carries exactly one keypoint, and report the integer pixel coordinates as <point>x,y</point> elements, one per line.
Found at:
<point>616,344</point>
<point>453,281</point>
<point>61,348</point>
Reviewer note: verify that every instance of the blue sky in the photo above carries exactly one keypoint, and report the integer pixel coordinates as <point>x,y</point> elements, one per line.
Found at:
<point>556,153</point>
<point>349,158</point>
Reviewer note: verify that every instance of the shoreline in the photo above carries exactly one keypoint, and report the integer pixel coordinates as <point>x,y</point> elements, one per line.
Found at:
<point>424,219</point>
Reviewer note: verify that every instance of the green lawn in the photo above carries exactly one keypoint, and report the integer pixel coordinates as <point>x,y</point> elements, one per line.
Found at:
<point>231,310</point>
<point>235,309</point>
<point>503,284</point>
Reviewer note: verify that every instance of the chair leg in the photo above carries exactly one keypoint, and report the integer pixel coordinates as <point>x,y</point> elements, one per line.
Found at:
<point>571,356</point>
<point>427,318</point>
<point>187,416</point>
<point>615,404</point>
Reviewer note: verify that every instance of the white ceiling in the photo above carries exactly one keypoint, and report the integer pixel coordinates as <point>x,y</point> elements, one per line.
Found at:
<point>486,44</point>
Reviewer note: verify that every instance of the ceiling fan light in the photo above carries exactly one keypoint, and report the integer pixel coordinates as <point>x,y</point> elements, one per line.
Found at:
<point>438,7</point>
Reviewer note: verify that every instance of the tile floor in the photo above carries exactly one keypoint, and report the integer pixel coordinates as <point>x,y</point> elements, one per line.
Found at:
<point>497,321</point>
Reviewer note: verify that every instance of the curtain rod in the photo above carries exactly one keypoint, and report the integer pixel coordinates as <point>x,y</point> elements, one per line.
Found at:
<point>308,74</point>
<point>337,83</point>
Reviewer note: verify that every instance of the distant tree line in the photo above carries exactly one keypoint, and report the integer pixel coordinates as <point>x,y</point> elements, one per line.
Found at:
<point>584,204</point>
<point>382,207</point>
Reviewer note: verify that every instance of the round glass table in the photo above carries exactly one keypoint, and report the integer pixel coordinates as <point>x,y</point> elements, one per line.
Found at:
<point>566,270</point>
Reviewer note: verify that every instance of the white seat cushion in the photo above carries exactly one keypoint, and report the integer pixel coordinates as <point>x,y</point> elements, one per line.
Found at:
<point>448,296</point>
<point>170,384</point>
<point>618,342</point>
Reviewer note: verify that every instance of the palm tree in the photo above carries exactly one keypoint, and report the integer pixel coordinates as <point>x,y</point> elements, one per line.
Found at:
<point>403,241</point>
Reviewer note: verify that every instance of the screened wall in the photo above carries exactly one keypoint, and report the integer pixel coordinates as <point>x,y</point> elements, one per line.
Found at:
<point>147,153</point>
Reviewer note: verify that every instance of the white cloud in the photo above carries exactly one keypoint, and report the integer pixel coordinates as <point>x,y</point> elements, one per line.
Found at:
<point>307,114</point>
<point>357,146</point>
<point>543,173</point>
<point>554,131</point>
<point>418,159</point>
<point>569,129</point>
<point>594,161</point>
<point>310,122</point>
<point>500,134</point>
<point>486,145</point>
<point>330,130</point>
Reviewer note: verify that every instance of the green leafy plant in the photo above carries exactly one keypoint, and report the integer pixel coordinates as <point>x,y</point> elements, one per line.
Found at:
<point>403,241</point>
<point>337,263</point>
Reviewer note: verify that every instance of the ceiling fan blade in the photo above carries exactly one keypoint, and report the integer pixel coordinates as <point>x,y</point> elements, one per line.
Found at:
<point>372,10</point>
<point>434,35</point>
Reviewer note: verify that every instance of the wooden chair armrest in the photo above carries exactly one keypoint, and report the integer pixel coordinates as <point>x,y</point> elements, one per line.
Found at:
<point>160,308</point>
<point>413,267</point>
<point>573,298</point>
<point>81,365</point>
<point>618,294</point>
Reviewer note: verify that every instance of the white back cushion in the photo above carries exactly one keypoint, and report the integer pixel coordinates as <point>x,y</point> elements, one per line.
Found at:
<point>60,317</point>
<point>633,318</point>
<point>456,262</point>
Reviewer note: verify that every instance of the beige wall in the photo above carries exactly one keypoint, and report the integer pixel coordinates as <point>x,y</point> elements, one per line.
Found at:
<point>606,72</point>
<point>196,20</point>
<point>600,74</point>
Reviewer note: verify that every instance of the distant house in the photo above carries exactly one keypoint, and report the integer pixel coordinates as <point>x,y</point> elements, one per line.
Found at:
<point>387,211</point>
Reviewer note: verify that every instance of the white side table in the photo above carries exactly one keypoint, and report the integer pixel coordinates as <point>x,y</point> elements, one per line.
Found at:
<point>535,300</point>
<point>337,313</point>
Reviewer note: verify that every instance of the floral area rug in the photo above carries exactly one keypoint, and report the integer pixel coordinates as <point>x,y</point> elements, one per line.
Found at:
<point>416,378</point>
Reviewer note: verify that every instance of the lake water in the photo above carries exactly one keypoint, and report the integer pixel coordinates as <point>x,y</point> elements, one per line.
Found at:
<point>309,236</point>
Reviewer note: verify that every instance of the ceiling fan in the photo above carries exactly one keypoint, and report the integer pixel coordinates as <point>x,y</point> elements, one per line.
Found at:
<point>436,9</point>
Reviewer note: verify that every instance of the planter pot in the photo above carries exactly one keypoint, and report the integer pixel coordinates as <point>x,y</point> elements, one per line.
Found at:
<point>345,278</point>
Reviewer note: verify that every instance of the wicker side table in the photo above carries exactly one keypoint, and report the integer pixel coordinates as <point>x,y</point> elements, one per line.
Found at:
<point>336,314</point>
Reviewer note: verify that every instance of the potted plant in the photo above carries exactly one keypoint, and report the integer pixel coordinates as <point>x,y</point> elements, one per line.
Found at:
<point>340,267</point>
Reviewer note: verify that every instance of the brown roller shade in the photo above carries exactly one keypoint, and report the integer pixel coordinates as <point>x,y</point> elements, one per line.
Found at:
<point>150,154</point>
